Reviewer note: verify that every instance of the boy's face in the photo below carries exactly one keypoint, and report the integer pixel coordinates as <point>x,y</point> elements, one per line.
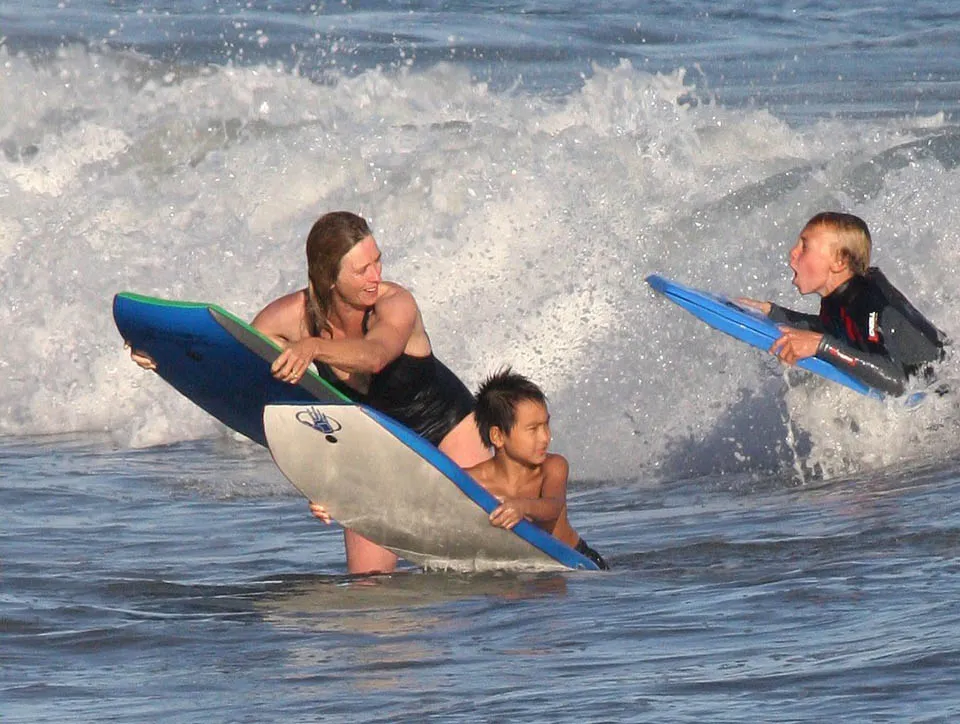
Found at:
<point>530,436</point>
<point>815,261</point>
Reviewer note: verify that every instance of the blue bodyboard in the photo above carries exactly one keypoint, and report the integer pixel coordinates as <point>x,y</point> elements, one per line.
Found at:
<point>747,325</point>
<point>214,359</point>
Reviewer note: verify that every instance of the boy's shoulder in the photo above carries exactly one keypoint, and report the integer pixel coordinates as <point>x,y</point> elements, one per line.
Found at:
<point>555,464</point>
<point>876,281</point>
<point>861,291</point>
<point>878,293</point>
<point>481,469</point>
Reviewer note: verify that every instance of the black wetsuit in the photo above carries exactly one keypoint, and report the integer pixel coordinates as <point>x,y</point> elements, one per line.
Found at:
<point>871,331</point>
<point>583,549</point>
<point>420,392</point>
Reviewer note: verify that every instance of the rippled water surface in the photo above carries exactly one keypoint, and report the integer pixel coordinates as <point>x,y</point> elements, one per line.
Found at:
<point>781,549</point>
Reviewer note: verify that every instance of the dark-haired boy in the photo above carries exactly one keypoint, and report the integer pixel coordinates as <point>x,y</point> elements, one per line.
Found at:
<point>511,413</point>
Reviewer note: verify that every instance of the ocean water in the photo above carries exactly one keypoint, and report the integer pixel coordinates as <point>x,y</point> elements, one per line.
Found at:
<point>782,549</point>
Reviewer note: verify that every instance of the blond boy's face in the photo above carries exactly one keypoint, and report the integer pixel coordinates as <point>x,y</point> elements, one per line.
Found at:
<point>815,261</point>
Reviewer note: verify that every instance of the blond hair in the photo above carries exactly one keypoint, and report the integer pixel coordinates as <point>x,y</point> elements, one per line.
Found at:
<point>853,237</point>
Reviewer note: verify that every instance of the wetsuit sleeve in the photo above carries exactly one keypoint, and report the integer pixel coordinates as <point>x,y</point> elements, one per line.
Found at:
<point>782,315</point>
<point>875,369</point>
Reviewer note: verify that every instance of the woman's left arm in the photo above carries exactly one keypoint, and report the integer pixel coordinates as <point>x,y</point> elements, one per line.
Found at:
<point>388,336</point>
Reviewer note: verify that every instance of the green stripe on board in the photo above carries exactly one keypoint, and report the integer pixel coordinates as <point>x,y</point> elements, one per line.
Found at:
<point>261,345</point>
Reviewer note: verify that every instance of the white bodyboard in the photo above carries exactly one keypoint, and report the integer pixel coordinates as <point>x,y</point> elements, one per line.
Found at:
<point>382,481</point>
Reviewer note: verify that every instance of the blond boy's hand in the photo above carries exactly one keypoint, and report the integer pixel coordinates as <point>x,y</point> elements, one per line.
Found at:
<point>796,344</point>
<point>762,307</point>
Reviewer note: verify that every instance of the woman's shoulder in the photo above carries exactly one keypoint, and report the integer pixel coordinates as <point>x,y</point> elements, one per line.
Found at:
<point>282,314</point>
<point>293,299</point>
<point>392,293</point>
<point>390,289</point>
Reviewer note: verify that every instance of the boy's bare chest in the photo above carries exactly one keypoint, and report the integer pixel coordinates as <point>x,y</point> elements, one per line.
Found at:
<point>527,487</point>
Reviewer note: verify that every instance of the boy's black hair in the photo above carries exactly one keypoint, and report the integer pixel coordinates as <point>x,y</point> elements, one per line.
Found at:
<point>497,399</point>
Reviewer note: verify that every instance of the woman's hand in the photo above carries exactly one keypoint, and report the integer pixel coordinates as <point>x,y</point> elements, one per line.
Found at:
<point>295,360</point>
<point>320,512</point>
<point>141,358</point>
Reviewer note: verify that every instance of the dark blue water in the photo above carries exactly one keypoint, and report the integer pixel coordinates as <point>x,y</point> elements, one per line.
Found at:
<point>783,550</point>
<point>799,58</point>
<point>131,593</point>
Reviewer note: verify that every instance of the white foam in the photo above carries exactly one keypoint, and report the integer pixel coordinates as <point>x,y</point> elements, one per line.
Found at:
<point>524,224</point>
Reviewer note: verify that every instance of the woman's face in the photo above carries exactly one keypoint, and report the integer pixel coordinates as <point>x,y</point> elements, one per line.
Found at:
<point>358,282</point>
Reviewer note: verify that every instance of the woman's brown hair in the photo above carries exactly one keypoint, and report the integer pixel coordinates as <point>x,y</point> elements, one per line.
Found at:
<point>332,236</point>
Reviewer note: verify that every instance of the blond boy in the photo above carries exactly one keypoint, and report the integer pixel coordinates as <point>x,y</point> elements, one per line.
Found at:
<point>865,325</point>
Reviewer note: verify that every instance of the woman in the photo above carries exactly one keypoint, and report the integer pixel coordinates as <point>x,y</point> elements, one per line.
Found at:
<point>367,337</point>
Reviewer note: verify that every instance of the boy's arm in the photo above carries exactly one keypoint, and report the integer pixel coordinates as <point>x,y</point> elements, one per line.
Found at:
<point>900,341</point>
<point>550,504</point>
<point>901,347</point>
<point>876,369</point>
<point>556,470</point>
<point>782,315</point>
<point>798,320</point>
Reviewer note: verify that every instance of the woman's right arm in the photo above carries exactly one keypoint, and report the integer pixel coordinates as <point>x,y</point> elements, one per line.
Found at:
<point>281,320</point>
<point>387,338</point>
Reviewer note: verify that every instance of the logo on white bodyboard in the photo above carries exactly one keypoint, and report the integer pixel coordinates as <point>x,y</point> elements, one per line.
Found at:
<point>319,421</point>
